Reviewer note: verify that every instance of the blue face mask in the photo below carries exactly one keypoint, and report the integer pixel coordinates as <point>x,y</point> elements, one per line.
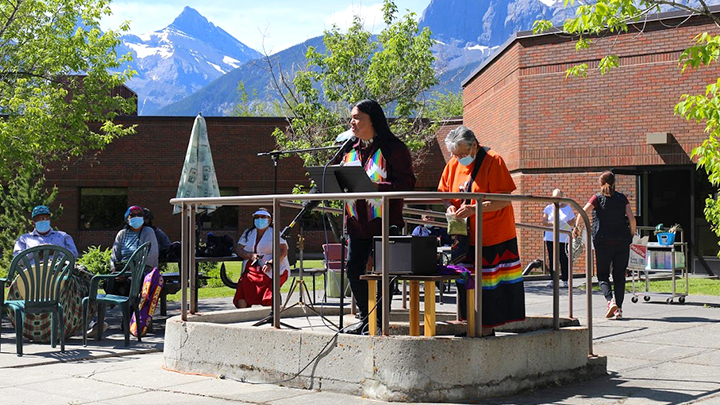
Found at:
<point>467,160</point>
<point>262,223</point>
<point>136,222</point>
<point>42,226</point>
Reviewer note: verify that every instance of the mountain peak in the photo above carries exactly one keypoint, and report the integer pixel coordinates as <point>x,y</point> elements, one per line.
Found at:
<point>190,20</point>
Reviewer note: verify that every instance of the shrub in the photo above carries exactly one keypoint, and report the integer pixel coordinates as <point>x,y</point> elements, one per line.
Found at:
<point>96,260</point>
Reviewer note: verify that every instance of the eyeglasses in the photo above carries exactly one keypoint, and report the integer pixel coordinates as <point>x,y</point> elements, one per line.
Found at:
<point>133,215</point>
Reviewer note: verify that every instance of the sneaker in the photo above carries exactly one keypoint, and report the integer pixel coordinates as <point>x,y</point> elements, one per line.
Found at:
<point>550,284</point>
<point>94,329</point>
<point>611,308</point>
<point>618,313</point>
<point>359,328</point>
<point>564,284</point>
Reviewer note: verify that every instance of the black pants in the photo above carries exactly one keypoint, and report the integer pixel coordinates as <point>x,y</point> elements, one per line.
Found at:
<point>563,259</point>
<point>613,256</point>
<point>359,251</point>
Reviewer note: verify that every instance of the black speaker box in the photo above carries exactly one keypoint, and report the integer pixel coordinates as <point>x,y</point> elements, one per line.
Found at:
<point>409,255</point>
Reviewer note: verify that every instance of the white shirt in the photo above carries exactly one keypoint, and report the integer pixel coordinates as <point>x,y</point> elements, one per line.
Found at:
<point>264,248</point>
<point>566,215</point>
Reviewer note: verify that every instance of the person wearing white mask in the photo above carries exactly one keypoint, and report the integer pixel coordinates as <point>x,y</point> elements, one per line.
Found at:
<point>478,169</point>
<point>43,234</point>
<point>133,235</point>
<point>255,246</point>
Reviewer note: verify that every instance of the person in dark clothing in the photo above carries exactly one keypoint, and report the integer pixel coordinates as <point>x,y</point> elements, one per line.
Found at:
<point>613,225</point>
<point>162,239</point>
<point>387,162</point>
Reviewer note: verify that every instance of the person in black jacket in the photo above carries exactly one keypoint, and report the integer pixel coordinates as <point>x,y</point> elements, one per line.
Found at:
<point>613,225</point>
<point>387,162</point>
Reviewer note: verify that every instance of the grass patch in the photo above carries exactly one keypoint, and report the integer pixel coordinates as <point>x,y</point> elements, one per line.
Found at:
<point>216,289</point>
<point>697,286</point>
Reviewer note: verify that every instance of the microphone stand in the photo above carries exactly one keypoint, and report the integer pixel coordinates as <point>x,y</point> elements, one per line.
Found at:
<point>275,156</point>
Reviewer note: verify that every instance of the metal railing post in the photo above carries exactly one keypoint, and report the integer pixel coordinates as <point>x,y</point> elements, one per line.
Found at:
<point>385,266</point>
<point>192,268</point>
<point>184,259</point>
<point>478,267</point>
<point>276,297</point>
<point>556,266</point>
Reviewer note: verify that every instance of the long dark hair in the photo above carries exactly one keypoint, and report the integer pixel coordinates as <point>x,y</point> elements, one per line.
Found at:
<point>607,184</point>
<point>377,118</point>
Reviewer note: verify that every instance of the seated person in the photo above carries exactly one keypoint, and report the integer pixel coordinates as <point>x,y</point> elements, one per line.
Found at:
<point>133,235</point>
<point>256,248</point>
<point>43,234</point>
<point>430,230</point>
<point>162,238</point>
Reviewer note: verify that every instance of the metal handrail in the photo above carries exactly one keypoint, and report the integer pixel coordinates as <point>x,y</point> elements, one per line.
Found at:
<point>557,261</point>
<point>188,222</point>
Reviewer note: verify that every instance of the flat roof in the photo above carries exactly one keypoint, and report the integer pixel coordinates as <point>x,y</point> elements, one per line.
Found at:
<point>669,15</point>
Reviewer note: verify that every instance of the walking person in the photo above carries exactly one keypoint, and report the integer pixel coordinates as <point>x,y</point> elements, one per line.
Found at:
<point>613,225</point>
<point>566,215</point>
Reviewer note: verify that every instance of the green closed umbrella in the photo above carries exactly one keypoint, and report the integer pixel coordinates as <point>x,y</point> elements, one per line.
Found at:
<point>198,174</point>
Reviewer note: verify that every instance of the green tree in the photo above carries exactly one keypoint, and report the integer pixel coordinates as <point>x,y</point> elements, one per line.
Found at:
<point>611,17</point>
<point>23,192</point>
<point>445,105</point>
<point>395,68</point>
<point>249,105</point>
<point>56,73</point>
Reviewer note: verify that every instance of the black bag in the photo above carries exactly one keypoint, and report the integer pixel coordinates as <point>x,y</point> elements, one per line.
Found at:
<point>171,254</point>
<point>460,245</point>
<point>217,246</point>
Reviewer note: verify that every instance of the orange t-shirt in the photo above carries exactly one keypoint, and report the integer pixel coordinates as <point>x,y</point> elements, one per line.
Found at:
<point>493,177</point>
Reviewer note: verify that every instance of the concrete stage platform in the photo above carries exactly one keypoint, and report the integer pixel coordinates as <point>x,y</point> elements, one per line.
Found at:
<point>523,355</point>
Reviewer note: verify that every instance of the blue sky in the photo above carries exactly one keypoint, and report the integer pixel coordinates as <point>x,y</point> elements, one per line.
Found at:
<point>272,24</point>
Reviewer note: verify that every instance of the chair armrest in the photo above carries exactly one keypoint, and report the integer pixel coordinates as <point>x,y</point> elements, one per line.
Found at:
<point>2,290</point>
<point>95,282</point>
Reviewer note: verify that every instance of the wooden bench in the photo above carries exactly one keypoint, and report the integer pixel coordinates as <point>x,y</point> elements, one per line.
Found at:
<point>429,287</point>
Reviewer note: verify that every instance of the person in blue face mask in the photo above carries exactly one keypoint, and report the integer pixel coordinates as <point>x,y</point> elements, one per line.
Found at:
<point>43,234</point>
<point>131,237</point>
<point>255,246</point>
<point>477,169</point>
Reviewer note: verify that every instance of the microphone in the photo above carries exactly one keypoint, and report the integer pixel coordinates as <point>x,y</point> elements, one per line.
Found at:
<point>348,142</point>
<point>308,206</point>
<point>344,136</point>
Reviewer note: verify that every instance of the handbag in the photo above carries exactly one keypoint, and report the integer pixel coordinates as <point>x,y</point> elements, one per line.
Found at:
<point>460,244</point>
<point>149,296</point>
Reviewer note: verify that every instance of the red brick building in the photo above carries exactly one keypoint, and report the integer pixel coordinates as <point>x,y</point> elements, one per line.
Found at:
<point>144,169</point>
<point>558,132</point>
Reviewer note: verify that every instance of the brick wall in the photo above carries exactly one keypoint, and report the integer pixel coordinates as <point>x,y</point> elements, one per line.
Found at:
<point>149,163</point>
<point>558,132</point>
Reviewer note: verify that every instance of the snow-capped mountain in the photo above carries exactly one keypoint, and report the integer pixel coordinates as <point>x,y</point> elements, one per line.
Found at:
<point>468,31</point>
<point>180,59</point>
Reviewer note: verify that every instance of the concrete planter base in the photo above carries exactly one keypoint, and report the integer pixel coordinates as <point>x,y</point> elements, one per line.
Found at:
<point>392,368</point>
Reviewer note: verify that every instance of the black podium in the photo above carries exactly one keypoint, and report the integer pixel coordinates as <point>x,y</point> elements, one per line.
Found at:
<point>341,179</point>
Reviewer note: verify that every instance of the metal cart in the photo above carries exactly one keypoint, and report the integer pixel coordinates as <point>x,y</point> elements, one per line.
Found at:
<point>662,260</point>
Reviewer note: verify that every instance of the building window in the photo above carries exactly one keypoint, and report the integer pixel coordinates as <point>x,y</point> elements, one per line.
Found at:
<point>223,218</point>
<point>102,208</point>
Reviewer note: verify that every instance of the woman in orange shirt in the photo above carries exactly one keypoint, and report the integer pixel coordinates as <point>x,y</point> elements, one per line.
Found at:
<point>503,292</point>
